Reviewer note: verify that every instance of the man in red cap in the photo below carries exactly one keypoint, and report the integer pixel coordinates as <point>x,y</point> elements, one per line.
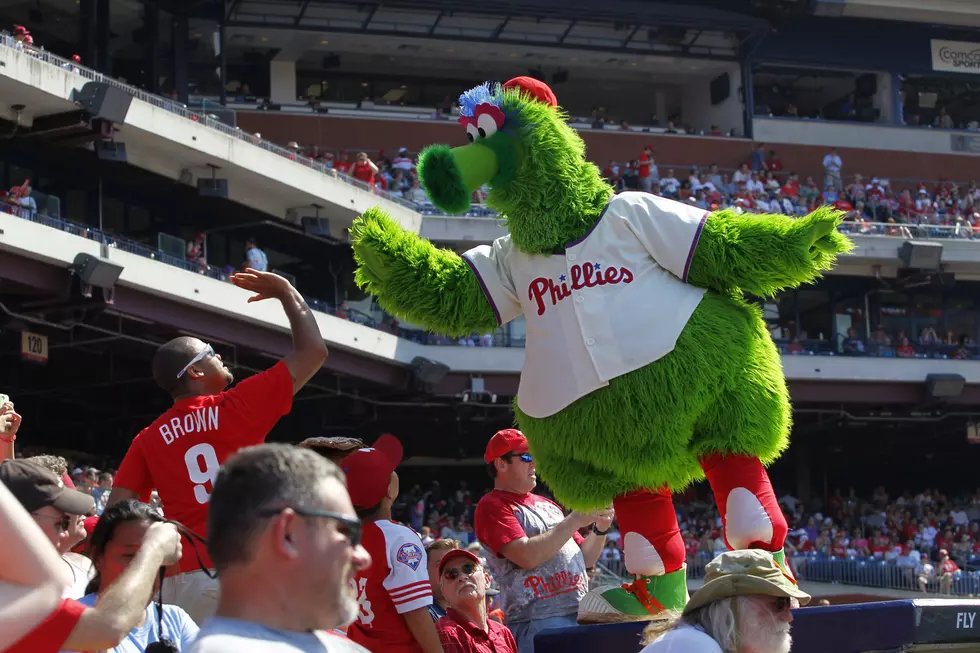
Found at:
<point>394,593</point>
<point>535,552</point>
<point>466,628</point>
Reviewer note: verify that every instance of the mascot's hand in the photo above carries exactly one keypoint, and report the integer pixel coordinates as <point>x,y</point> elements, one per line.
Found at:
<point>819,233</point>
<point>369,235</point>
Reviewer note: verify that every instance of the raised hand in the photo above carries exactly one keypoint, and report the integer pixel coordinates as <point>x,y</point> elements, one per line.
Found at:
<point>266,285</point>
<point>9,420</point>
<point>165,536</point>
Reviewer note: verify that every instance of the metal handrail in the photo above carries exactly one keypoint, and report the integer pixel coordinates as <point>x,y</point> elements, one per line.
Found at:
<point>201,118</point>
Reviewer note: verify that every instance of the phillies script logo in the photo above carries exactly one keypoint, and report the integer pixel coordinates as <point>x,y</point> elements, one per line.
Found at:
<point>589,275</point>
<point>561,583</point>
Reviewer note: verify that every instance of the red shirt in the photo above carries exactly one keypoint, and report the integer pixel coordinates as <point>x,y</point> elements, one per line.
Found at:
<point>496,523</point>
<point>459,635</point>
<point>396,582</point>
<point>180,453</point>
<point>51,634</point>
<point>363,172</point>
<point>644,167</point>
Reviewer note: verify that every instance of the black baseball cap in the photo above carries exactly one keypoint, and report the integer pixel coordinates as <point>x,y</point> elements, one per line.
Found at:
<point>36,487</point>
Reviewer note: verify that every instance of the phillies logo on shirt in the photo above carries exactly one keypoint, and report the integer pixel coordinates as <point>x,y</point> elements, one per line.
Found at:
<point>561,583</point>
<point>588,275</point>
<point>409,555</point>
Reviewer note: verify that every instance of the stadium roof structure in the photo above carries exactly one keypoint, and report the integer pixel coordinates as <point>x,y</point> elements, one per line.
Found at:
<point>678,29</point>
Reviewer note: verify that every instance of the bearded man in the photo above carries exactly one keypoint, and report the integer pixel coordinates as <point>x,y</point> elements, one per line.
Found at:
<point>744,606</point>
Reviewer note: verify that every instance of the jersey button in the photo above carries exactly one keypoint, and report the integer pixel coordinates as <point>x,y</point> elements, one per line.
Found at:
<point>571,257</point>
<point>590,342</point>
<point>579,298</point>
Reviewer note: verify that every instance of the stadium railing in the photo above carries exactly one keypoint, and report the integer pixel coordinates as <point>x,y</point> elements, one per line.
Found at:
<point>213,122</point>
<point>852,570</point>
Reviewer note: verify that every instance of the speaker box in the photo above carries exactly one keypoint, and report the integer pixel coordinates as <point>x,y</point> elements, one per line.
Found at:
<point>213,188</point>
<point>110,151</point>
<point>100,100</point>
<point>427,371</point>
<point>944,385</point>
<point>921,255</point>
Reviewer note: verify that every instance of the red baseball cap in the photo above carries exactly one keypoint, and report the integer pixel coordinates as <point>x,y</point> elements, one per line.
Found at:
<point>503,442</point>
<point>458,553</point>
<point>90,523</point>
<point>535,88</point>
<point>369,470</point>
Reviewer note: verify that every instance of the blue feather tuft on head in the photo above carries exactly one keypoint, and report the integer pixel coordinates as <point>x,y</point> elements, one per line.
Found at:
<point>483,94</point>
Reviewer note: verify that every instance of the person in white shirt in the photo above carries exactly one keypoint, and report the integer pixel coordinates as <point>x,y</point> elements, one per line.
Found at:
<point>744,605</point>
<point>742,174</point>
<point>286,543</point>
<point>831,166</point>
<point>256,258</point>
<point>669,184</point>
<point>58,510</point>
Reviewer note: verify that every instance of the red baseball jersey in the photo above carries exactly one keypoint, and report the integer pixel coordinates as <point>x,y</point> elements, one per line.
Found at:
<point>180,453</point>
<point>396,582</point>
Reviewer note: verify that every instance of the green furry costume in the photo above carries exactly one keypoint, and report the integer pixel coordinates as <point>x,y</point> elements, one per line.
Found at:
<point>716,405</point>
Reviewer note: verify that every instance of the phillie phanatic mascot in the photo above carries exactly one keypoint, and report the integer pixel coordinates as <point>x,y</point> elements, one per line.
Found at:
<point>645,369</point>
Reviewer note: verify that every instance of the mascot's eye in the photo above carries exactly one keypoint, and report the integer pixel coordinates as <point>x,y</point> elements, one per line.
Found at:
<point>471,132</point>
<point>487,125</point>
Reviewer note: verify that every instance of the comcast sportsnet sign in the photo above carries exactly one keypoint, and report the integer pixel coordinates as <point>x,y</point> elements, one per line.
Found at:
<point>956,57</point>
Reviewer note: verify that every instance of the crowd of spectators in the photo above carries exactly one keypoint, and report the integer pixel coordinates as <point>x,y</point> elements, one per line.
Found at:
<point>762,184</point>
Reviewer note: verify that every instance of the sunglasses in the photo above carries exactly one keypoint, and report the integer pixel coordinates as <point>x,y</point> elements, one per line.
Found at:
<point>785,603</point>
<point>207,352</point>
<point>349,527</point>
<point>63,522</point>
<point>468,568</point>
<point>525,457</point>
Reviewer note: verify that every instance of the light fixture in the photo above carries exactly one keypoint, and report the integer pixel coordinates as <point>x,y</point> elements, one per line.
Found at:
<point>324,42</point>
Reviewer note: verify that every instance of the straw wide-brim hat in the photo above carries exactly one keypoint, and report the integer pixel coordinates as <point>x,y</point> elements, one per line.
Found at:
<point>751,572</point>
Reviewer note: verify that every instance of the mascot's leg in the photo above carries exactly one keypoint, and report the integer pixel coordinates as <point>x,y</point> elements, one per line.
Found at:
<point>750,514</point>
<point>654,553</point>
<point>746,428</point>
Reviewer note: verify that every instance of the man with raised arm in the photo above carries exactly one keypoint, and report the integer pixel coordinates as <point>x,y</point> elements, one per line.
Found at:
<point>180,453</point>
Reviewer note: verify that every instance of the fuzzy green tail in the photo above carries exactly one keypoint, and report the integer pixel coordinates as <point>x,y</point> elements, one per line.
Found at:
<point>763,254</point>
<point>415,280</point>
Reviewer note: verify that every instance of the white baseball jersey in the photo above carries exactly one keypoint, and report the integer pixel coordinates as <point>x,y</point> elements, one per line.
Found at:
<point>616,300</point>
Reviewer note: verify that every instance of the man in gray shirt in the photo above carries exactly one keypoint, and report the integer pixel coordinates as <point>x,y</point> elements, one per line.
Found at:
<point>286,544</point>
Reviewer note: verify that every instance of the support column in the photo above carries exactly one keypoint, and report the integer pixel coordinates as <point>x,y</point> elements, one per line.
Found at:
<point>748,97</point>
<point>884,99</point>
<point>282,82</point>
<point>103,60</point>
<point>660,107</point>
<point>181,25</point>
<point>86,28</point>
<point>223,63</point>
<point>898,103</point>
<point>151,54</point>
<point>801,459</point>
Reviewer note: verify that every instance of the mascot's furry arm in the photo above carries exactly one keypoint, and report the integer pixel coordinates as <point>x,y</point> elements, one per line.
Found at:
<point>763,254</point>
<point>417,281</point>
